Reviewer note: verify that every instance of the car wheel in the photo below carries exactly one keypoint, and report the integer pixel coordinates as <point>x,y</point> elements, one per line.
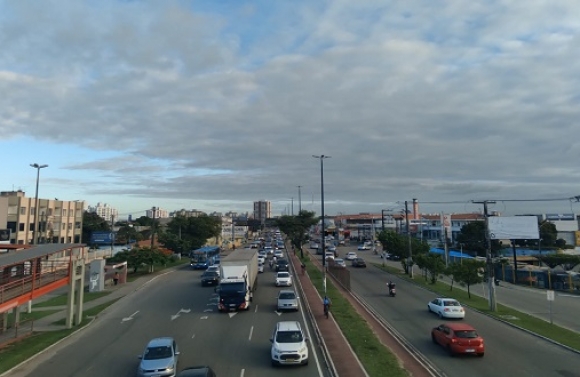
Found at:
<point>306,363</point>
<point>428,308</point>
<point>450,351</point>
<point>440,315</point>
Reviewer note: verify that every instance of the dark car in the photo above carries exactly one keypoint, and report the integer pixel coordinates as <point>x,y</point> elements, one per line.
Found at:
<point>201,371</point>
<point>210,278</point>
<point>282,265</point>
<point>359,262</point>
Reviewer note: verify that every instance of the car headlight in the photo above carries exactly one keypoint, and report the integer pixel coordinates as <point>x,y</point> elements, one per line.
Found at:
<point>276,350</point>
<point>302,350</point>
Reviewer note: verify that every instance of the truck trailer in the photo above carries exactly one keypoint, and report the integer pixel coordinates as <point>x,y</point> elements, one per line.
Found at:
<point>239,280</point>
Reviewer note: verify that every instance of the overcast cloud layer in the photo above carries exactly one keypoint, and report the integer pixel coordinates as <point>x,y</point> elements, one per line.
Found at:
<point>213,105</point>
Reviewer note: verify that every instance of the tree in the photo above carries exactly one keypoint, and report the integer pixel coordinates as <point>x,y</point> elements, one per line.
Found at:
<point>127,233</point>
<point>453,271</point>
<point>469,272</point>
<point>296,228</point>
<point>431,263</point>
<point>184,234</point>
<point>93,223</point>
<point>145,221</point>
<point>472,235</point>
<point>397,245</point>
<point>143,256</point>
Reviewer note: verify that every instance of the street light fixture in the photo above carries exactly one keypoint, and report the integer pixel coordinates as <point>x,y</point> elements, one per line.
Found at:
<point>36,209</point>
<point>322,240</point>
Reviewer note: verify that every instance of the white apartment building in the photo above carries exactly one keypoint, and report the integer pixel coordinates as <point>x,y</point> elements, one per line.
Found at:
<point>59,221</point>
<point>262,210</point>
<point>157,213</point>
<point>105,211</point>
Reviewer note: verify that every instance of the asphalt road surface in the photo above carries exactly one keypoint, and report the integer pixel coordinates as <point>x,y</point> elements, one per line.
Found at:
<point>509,352</point>
<point>175,304</point>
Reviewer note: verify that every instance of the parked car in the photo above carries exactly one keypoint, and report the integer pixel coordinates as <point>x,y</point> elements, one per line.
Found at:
<point>458,338</point>
<point>288,344</point>
<point>446,308</point>
<point>210,278</point>
<point>159,358</point>
<point>283,279</point>
<point>287,300</point>
<point>359,262</point>
<point>351,255</point>
<point>198,371</point>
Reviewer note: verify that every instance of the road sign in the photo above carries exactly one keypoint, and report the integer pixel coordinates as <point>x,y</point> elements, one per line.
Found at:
<point>550,295</point>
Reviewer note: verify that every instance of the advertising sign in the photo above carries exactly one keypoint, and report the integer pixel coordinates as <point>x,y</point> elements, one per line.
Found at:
<point>4,235</point>
<point>513,228</point>
<point>102,238</point>
<point>560,217</point>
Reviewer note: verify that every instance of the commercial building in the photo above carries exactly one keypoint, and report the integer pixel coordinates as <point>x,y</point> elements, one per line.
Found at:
<point>59,221</point>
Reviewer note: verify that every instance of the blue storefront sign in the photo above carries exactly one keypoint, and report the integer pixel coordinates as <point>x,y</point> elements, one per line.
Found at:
<point>102,238</point>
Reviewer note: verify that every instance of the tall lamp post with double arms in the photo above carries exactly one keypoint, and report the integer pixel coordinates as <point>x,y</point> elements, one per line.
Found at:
<point>322,240</point>
<point>36,209</point>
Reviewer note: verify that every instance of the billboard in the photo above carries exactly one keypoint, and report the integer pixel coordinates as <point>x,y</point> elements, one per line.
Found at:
<point>513,228</point>
<point>102,238</point>
<point>560,217</point>
<point>4,235</point>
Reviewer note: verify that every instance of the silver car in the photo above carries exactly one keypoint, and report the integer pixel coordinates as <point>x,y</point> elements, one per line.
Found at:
<point>287,300</point>
<point>159,358</point>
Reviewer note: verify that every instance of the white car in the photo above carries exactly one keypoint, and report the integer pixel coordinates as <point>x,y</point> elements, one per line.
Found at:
<point>446,308</point>
<point>283,279</point>
<point>261,259</point>
<point>329,255</point>
<point>351,255</point>
<point>278,254</point>
<point>260,266</point>
<point>364,246</point>
<point>214,268</point>
<point>289,344</point>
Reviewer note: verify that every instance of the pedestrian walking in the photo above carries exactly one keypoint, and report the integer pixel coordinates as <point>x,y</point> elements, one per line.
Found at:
<point>116,278</point>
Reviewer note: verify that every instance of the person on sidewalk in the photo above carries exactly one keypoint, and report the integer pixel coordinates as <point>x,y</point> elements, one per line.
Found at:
<point>116,278</point>
<point>326,303</point>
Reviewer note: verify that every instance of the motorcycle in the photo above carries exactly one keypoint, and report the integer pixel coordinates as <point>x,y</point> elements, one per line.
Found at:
<point>392,290</point>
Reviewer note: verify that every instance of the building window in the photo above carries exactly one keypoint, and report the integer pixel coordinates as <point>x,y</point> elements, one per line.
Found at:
<point>21,227</point>
<point>69,226</point>
<point>64,212</point>
<point>78,225</point>
<point>23,210</point>
<point>49,212</point>
<point>63,226</point>
<point>32,211</point>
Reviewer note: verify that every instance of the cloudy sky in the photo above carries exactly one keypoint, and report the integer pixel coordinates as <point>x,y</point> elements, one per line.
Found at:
<point>215,104</point>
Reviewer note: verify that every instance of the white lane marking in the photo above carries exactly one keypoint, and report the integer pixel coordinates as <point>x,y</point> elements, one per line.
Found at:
<point>251,332</point>
<point>193,336</point>
<point>208,310</point>
<point>242,373</point>
<point>277,312</point>
<point>232,314</point>
<point>204,317</point>
<point>130,317</point>
<point>256,310</point>
<point>311,346</point>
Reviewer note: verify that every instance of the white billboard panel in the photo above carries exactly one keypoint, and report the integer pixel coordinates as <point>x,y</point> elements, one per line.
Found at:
<point>513,228</point>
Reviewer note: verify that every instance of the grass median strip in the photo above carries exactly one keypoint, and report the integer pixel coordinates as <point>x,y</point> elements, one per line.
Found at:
<point>504,313</point>
<point>375,357</point>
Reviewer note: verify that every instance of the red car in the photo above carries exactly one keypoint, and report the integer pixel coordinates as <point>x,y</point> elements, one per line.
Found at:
<point>458,338</point>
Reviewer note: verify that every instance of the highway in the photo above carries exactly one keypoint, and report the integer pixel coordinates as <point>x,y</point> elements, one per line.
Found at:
<point>509,352</point>
<point>175,304</point>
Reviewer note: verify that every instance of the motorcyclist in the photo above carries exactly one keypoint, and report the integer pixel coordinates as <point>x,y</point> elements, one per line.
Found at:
<point>391,286</point>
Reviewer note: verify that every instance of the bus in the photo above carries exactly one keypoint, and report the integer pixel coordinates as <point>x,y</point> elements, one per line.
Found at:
<point>204,257</point>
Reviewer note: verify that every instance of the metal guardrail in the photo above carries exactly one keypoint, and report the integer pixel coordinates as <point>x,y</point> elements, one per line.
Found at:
<point>14,333</point>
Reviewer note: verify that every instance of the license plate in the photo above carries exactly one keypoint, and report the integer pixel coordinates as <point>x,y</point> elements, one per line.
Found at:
<point>469,350</point>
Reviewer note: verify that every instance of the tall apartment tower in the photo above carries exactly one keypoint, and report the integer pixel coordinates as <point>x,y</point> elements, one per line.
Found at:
<point>105,211</point>
<point>262,210</point>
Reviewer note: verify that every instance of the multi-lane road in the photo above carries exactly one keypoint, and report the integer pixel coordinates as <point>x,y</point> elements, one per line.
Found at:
<point>509,352</point>
<point>175,304</point>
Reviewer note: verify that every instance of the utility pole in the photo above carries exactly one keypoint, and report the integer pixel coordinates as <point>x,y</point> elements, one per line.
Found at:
<point>489,262</point>
<point>292,205</point>
<point>153,228</point>
<point>299,200</point>
<point>409,240</point>
<point>112,233</point>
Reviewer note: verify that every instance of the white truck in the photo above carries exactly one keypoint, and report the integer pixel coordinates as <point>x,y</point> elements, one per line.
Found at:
<point>239,280</point>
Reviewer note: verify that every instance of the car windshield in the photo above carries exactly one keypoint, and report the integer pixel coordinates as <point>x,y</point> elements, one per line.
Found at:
<point>289,337</point>
<point>231,289</point>
<point>286,296</point>
<point>156,353</point>
<point>283,275</point>
<point>466,334</point>
<point>451,303</point>
<point>282,261</point>
<point>210,274</point>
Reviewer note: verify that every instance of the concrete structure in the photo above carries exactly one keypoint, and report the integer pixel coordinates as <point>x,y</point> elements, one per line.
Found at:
<point>105,211</point>
<point>262,210</point>
<point>160,213</point>
<point>187,213</point>
<point>59,221</point>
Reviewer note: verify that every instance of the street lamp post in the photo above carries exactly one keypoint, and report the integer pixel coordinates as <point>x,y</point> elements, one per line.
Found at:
<point>322,240</point>
<point>299,200</point>
<point>36,232</point>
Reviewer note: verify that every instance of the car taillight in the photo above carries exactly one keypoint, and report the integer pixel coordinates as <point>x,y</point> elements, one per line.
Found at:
<point>243,306</point>
<point>453,340</point>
